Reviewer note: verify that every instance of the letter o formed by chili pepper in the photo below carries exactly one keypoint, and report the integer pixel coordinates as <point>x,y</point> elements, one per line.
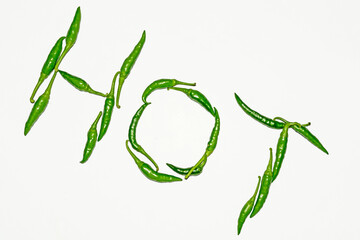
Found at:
<point>193,95</point>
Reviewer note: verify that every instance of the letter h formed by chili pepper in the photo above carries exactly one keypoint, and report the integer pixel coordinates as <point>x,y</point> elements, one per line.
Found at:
<point>149,172</point>
<point>128,64</point>
<point>91,139</point>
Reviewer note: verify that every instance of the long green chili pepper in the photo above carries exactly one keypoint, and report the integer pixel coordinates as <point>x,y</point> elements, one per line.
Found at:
<point>303,131</point>
<point>79,83</point>
<point>281,149</point>
<point>73,30</point>
<point>264,188</point>
<point>257,116</point>
<point>108,109</point>
<point>197,97</point>
<point>162,83</point>
<point>280,125</point>
<point>39,107</point>
<point>132,134</point>
<point>128,64</point>
<point>185,171</point>
<point>211,143</point>
<point>91,139</point>
<point>149,172</point>
<point>245,211</point>
<point>49,65</point>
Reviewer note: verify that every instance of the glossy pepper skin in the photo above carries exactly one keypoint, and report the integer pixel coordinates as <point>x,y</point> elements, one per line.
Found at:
<point>211,144</point>
<point>132,134</point>
<point>108,109</point>
<point>245,211</point>
<point>79,83</point>
<point>49,65</point>
<point>128,65</point>
<point>214,135</point>
<point>149,172</point>
<point>281,149</point>
<point>257,116</point>
<point>91,139</point>
<point>38,108</point>
<point>161,84</point>
<point>264,188</point>
<point>73,30</point>
<point>185,171</point>
<point>198,97</point>
<point>280,125</point>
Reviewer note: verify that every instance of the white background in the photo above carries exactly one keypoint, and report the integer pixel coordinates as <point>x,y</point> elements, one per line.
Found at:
<point>295,59</point>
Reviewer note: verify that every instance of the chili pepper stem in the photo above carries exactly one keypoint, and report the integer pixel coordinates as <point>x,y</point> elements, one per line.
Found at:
<point>285,121</point>
<point>203,158</point>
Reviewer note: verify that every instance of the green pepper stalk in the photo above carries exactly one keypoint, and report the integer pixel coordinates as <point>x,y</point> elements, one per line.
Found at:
<point>128,65</point>
<point>149,172</point>
<point>108,109</point>
<point>49,65</point>
<point>91,139</point>
<point>161,84</point>
<point>79,83</point>
<point>198,97</point>
<point>245,211</point>
<point>132,134</point>
<point>264,188</point>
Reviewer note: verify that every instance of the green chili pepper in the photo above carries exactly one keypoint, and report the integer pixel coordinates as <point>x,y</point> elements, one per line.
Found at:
<point>280,125</point>
<point>245,211</point>
<point>128,64</point>
<point>281,148</point>
<point>149,172</point>
<point>108,108</point>
<point>73,30</point>
<point>91,139</point>
<point>303,131</point>
<point>185,171</point>
<point>79,83</point>
<point>211,144</point>
<point>264,188</point>
<point>162,83</point>
<point>132,134</point>
<point>197,97</point>
<point>49,65</point>
<point>39,106</point>
<point>257,116</point>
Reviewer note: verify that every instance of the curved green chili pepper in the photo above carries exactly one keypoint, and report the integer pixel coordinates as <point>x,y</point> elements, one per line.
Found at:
<point>185,171</point>
<point>49,65</point>
<point>303,131</point>
<point>73,30</point>
<point>149,172</point>
<point>281,149</point>
<point>79,83</point>
<point>264,188</point>
<point>257,116</point>
<point>91,139</point>
<point>197,97</point>
<point>211,144</point>
<point>162,83</point>
<point>132,134</point>
<point>128,64</point>
<point>245,211</point>
<point>108,109</point>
